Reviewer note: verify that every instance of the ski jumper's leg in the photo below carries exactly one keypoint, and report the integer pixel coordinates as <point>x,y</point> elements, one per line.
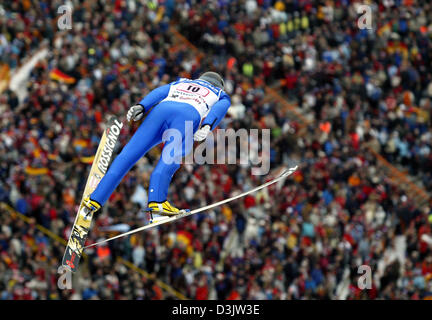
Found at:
<point>185,121</point>
<point>146,137</point>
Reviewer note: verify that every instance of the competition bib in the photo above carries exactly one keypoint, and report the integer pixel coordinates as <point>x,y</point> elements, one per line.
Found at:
<point>199,94</point>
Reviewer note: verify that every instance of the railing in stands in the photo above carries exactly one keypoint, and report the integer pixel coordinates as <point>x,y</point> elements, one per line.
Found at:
<point>403,180</point>
<point>4,77</point>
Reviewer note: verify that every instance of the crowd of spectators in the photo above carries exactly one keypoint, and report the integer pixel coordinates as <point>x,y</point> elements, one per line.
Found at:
<point>378,79</point>
<point>303,238</point>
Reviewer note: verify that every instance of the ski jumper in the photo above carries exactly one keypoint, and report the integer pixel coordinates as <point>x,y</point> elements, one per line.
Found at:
<point>174,104</point>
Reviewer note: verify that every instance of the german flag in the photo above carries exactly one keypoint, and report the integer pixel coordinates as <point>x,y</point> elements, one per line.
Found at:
<point>36,171</point>
<point>53,157</point>
<point>83,143</point>
<point>386,28</point>
<point>123,67</point>
<point>185,237</point>
<point>56,74</point>
<point>87,160</point>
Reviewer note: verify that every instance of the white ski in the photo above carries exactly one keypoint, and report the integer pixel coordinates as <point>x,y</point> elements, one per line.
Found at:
<point>284,175</point>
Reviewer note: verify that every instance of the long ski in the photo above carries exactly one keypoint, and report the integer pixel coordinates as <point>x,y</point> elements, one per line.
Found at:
<point>284,175</point>
<point>101,162</point>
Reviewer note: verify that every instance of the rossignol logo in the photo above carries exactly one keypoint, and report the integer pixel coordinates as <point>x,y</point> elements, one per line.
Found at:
<point>113,133</point>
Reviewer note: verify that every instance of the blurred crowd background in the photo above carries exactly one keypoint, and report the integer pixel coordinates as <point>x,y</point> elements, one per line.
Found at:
<point>345,98</point>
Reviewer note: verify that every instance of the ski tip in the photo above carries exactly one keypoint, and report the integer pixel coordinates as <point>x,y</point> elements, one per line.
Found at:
<point>66,267</point>
<point>71,260</point>
<point>69,268</point>
<point>289,171</point>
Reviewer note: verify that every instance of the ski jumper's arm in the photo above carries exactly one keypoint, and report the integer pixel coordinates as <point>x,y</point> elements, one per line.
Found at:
<point>154,97</point>
<point>217,112</point>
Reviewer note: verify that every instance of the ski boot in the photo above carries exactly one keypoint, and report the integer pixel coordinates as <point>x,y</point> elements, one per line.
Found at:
<point>161,210</point>
<point>89,208</point>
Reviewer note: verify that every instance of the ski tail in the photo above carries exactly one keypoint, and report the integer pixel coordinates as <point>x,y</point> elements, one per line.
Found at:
<point>283,175</point>
<point>101,162</point>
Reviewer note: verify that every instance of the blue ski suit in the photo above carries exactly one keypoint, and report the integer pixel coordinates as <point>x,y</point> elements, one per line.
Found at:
<point>174,104</point>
